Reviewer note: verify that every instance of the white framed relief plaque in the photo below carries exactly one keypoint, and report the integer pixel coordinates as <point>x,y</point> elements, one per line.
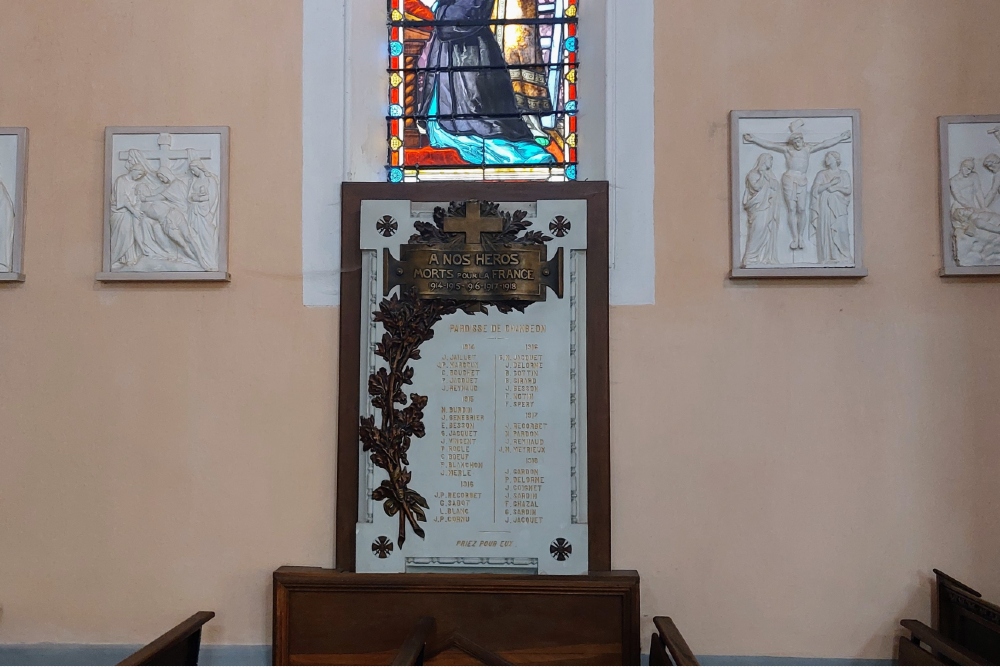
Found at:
<point>796,194</point>
<point>166,208</point>
<point>13,174</point>
<point>470,441</point>
<point>970,195</point>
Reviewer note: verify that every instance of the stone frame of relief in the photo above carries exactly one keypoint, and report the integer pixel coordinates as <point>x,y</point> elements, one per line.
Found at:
<point>391,232</point>
<point>970,229</point>
<point>13,181</point>
<point>166,204</point>
<point>793,214</point>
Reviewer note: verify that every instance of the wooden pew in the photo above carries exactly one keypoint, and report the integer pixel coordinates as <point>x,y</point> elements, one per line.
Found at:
<point>939,649</point>
<point>456,641</point>
<point>667,646</point>
<point>418,648</point>
<point>966,629</point>
<point>964,618</point>
<point>413,650</point>
<point>330,617</point>
<point>178,646</point>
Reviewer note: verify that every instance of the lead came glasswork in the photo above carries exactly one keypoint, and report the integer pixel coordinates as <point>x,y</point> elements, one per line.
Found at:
<point>482,90</point>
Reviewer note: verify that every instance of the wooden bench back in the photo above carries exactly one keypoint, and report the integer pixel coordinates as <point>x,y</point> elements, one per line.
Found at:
<point>966,619</point>
<point>178,646</point>
<point>667,646</point>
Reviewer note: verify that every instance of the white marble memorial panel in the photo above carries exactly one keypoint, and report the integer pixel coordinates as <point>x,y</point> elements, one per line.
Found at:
<point>502,461</point>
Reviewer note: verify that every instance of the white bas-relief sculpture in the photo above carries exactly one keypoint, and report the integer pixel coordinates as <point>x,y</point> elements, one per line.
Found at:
<point>805,222</point>
<point>166,214</point>
<point>970,194</point>
<point>13,146</point>
<point>7,219</point>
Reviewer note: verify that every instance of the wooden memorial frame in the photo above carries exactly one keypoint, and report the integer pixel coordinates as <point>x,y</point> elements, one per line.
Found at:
<point>598,395</point>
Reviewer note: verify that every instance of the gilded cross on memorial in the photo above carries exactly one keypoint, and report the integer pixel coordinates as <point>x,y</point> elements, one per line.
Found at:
<point>473,224</point>
<point>511,268</point>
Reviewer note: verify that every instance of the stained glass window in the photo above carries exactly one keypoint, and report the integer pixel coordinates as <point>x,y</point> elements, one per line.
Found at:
<point>482,90</point>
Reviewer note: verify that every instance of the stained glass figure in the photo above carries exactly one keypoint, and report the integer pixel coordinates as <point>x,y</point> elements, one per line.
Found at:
<point>482,90</point>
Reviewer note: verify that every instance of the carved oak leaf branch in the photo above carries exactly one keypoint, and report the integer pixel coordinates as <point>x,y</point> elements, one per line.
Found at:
<point>409,322</point>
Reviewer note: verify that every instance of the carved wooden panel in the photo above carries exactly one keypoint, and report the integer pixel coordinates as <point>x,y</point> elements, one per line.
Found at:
<point>345,618</point>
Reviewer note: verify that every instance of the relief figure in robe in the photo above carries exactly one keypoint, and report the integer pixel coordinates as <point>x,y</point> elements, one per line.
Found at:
<point>794,183</point>
<point>151,245</point>
<point>166,205</point>
<point>7,214</point>
<point>126,216</point>
<point>992,164</point>
<point>831,210</point>
<point>498,134</point>
<point>976,237</point>
<point>966,188</point>
<point>761,201</point>
<point>203,213</point>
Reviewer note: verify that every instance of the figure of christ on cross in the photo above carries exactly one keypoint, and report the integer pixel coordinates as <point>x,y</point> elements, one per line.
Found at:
<point>473,224</point>
<point>794,182</point>
<point>165,153</point>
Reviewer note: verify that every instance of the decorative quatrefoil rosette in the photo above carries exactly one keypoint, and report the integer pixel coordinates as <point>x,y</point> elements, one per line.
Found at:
<point>561,549</point>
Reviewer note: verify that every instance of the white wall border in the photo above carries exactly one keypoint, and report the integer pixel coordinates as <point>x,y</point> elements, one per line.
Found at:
<point>631,160</point>
<point>324,115</point>
<point>343,134</point>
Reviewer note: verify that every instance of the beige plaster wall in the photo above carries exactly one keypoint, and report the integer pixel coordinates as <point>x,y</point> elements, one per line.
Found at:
<point>790,459</point>
<point>162,448</point>
<point>801,454</point>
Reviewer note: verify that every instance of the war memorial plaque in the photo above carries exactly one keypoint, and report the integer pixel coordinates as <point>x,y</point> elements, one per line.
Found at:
<point>473,467</point>
<point>474,426</point>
